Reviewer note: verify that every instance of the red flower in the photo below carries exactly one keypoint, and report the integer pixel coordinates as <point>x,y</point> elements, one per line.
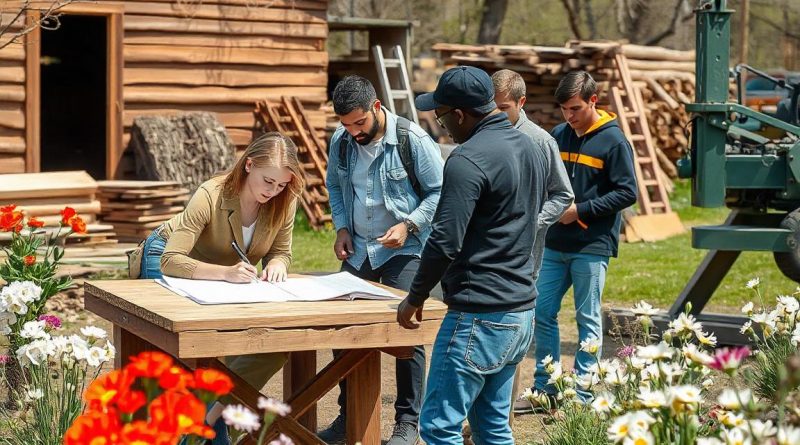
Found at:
<point>151,365</point>
<point>176,378</point>
<point>8,208</point>
<point>66,214</point>
<point>11,221</point>
<point>142,433</point>
<point>213,381</point>
<point>130,401</point>
<point>34,223</point>
<point>29,260</point>
<point>95,428</point>
<point>179,413</point>
<point>77,224</point>
<point>107,388</point>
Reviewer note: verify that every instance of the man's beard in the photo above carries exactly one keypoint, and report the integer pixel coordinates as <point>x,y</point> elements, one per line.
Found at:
<point>366,138</point>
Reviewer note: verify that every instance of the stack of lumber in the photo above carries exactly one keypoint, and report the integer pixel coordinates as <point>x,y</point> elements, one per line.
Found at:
<point>135,208</point>
<point>44,195</point>
<point>664,76</point>
<point>288,117</point>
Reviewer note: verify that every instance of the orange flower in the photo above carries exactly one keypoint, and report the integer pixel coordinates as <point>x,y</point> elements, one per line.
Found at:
<point>8,208</point>
<point>108,388</point>
<point>151,365</point>
<point>176,378</point>
<point>77,224</point>
<point>94,428</point>
<point>66,214</point>
<point>11,221</point>
<point>179,413</point>
<point>34,223</point>
<point>129,402</point>
<point>29,260</point>
<point>213,381</point>
<point>142,433</point>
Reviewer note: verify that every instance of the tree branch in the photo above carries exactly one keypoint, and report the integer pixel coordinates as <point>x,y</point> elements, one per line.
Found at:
<point>670,28</point>
<point>775,25</point>
<point>573,19</point>
<point>48,19</point>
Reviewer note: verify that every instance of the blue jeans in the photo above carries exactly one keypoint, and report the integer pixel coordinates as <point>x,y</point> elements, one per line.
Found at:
<point>472,375</point>
<point>586,273</point>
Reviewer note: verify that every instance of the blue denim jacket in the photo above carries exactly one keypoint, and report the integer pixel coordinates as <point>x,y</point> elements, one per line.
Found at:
<point>398,194</point>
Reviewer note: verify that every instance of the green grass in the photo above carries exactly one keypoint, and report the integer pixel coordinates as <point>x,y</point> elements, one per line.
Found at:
<point>656,272</point>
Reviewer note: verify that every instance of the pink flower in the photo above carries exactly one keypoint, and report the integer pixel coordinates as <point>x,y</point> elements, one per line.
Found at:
<point>4,359</point>
<point>626,351</point>
<point>729,359</point>
<point>51,321</point>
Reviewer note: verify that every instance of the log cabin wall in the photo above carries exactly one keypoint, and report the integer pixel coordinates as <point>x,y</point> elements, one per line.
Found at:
<point>191,55</point>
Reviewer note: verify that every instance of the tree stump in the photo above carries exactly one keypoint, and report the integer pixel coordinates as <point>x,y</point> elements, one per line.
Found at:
<point>188,148</point>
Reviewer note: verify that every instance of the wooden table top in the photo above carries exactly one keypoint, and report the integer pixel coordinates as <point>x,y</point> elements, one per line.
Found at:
<point>154,303</point>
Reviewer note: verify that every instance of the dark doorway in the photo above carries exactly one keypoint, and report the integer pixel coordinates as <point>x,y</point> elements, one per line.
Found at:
<point>73,96</point>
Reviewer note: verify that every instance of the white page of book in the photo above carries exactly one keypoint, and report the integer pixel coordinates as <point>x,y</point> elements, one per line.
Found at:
<point>329,287</point>
<point>220,292</point>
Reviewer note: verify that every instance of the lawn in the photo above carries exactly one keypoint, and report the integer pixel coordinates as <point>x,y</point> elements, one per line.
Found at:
<point>655,272</point>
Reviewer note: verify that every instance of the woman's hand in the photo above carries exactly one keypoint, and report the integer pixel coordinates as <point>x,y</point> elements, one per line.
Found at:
<point>274,272</point>
<point>241,273</point>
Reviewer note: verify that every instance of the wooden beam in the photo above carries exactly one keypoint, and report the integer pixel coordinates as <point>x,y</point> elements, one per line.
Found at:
<point>318,5</point>
<point>114,82</point>
<point>216,95</point>
<point>12,164</point>
<point>224,41</point>
<point>298,371</point>
<point>12,93</point>
<point>364,401</point>
<point>32,96</point>
<point>13,72</point>
<point>171,24</point>
<point>12,145</point>
<point>221,75</point>
<point>200,10</point>
<point>245,56</point>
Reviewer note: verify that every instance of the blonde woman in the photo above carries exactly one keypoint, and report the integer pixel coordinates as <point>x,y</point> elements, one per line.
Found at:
<point>254,205</point>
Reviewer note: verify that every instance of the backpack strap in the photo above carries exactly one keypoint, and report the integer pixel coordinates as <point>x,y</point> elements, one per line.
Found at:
<point>406,157</point>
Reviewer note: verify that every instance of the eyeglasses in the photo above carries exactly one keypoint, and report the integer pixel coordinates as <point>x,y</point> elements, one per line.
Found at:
<point>439,118</point>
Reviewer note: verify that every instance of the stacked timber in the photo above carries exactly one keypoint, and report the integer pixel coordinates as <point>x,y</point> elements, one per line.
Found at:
<point>44,195</point>
<point>665,77</point>
<point>12,98</point>
<point>135,208</point>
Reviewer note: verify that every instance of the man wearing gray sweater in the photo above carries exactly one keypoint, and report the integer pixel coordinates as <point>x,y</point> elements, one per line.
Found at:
<point>510,95</point>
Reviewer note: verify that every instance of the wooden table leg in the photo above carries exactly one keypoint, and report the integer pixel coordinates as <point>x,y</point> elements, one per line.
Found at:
<point>128,345</point>
<point>364,401</point>
<point>299,370</point>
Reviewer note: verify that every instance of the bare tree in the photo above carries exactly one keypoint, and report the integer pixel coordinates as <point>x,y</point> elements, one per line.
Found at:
<point>494,11</point>
<point>15,23</point>
<point>591,23</point>
<point>680,7</point>
<point>573,9</point>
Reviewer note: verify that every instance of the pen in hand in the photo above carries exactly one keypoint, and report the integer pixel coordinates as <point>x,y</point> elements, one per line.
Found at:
<point>242,256</point>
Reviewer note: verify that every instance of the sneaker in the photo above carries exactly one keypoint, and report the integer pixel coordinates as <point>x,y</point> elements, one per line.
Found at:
<point>335,433</point>
<point>524,405</point>
<point>404,433</point>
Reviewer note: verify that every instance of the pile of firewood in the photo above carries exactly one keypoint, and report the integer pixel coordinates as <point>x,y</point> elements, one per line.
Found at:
<point>665,77</point>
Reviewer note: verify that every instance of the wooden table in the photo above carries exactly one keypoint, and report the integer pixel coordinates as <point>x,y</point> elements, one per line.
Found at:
<point>147,316</point>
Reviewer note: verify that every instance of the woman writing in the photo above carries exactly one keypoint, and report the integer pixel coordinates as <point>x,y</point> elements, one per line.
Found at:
<point>254,206</point>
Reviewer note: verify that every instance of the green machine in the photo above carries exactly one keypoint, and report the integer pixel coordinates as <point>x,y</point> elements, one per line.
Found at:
<point>745,160</point>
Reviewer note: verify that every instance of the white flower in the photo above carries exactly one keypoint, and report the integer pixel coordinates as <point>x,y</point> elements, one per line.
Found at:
<point>93,332</point>
<point>283,439</point>
<point>277,407</point>
<point>96,356</point>
<point>241,418</point>
<point>746,327</point>
<point>603,403</point>
<point>685,324</point>
<point>655,352</point>
<point>33,394</point>
<point>709,441</point>
<point>707,338</point>
<point>617,378</point>
<point>730,419</point>
<point>753,283</point>
<point>111,351</point>
<point>669,371</point>
<point>34,330</point>
<point>735,436</point>
<point>747,309</point>
<point>34,353</point>
<point>788,435</point>
<point>639,363</point>
<point>639,437</point>
<point>79,348</point>
<point>591,345</point>
<point>644,308</point>
<point>707,383</point>
<point>630,424</point>
<point>730,399</point>
<point>557,373</point>
<point>13,304</point>
<point>685,398</point>
<point>762,430</point>
<point>587,381</point>
<point>568,393</point>
<point>619,429</point>
<point>23,291</point>
<point>653,399</point>
<point>6,320</point>
<point>696,355</point>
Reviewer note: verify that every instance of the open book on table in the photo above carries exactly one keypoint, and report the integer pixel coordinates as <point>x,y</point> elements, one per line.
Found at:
<point>338,286</point>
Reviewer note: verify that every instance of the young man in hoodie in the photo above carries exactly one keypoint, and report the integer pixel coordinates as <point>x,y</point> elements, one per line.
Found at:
<point>480,248</point>
<point>599,163</point>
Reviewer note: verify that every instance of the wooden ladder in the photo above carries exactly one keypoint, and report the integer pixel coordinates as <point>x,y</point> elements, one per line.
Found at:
<point>626,99</point>
<point>289,118</point>
<point>395,87</point>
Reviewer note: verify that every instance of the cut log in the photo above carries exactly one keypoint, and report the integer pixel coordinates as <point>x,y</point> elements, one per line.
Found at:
<point>656,53</point>
<point>248,56</point>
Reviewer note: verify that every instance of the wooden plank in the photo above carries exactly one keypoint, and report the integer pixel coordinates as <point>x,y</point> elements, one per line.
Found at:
<point>44,185</point>
<point>13,52</point>
<point>33,97</point>
<point>12,93</point>
<point>54,209</point>
<point>246,56</point>
<point>13,72</point>
<point>222,75</point>
<point>297,373</point>
<point>224,41</point>
<point>171,24</point>
<point>200,10</point>
<point>204,343</point>
<point>12,145</point>
<point>319,5</point>
<point>125,185</point>
<point>175,313</point>
<point>243,119</point>
<point>364,401</point>
<point>216,95</point>
<point>11,164</point>
<point>231,115</point>
<point>115,103</point>
<point>13,118</point>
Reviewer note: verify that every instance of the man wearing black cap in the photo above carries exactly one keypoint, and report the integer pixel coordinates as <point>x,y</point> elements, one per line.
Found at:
<point>480,247</point>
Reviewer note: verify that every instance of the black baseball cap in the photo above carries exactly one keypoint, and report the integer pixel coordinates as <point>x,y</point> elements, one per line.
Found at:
<point>460,87</point>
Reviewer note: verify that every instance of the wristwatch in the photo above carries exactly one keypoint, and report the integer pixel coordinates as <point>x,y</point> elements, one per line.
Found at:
<point>411,227</point>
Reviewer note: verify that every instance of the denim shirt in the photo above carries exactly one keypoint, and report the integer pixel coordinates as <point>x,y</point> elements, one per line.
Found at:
<point>398,195</point>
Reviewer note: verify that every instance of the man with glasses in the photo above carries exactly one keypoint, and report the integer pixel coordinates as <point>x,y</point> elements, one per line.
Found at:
<point>483,232</point>
<point>384,178</point>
